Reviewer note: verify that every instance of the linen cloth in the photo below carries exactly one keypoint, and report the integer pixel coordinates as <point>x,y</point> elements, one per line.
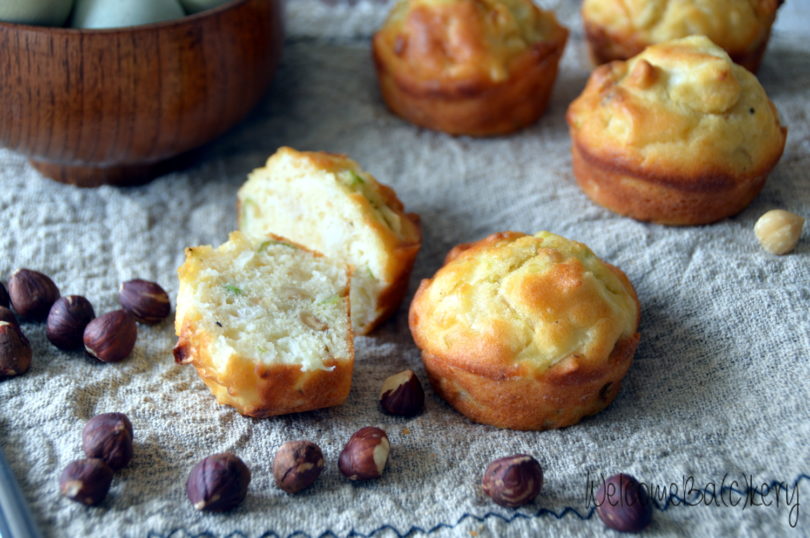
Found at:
<point>716,400</point>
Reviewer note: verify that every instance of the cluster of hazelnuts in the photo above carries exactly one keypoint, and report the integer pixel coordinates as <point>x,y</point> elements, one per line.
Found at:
<point>107,443</point>
<point>622,503</point>
<point>71,322</point>
<point>220,482</point>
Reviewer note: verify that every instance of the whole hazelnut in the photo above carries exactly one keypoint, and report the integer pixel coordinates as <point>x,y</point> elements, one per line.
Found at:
<point>32,294</point>
<point>623,504</point>
<point>108,437</point>
<point>218,483</point>
<point>146,301</point>
<point>15,351</point>
<point>778,231</point>
<point>365,455</point>
<point>402,394</point>
<point>67,320</point>
<point>297,465</point>
<point>4,299</point>
<point>7,315</point>
<point>86,481</point>
<point>514,480</point>
<point>111,337</point>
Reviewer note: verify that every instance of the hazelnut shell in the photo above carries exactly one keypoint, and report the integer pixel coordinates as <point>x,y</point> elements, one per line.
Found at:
<point>67,320</point>
<point>146,301</point>
<point>32,294</point>
<point>297,465</point>
<point>514,480</point>
<point>402,395</point>
<point>86,481</point>
<point>4,299</point>
<point>109,437</point>
<point>365,455</point>
<point>218,483</point>
<point>7,316</point>
<point>15,351</point>
<point>623,504</point>
<point>111,337</point>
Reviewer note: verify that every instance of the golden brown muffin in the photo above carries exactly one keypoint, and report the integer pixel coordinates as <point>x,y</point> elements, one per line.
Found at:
<point>526,332</point>
<point>326,202</point>
<point>474,67</point>
<point>266,325</point>
<point>678,135</point>
<point>620,29</point>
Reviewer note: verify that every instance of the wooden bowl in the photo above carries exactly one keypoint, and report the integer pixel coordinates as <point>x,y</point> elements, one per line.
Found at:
<point>121,106</point>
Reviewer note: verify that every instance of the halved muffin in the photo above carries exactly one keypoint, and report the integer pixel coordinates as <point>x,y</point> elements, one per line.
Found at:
<point>326,202</point>
<point>266,325</point>
<point>677,135</point>
<point>474,67</point>
<point>620,29</point>
<point>526,332</point>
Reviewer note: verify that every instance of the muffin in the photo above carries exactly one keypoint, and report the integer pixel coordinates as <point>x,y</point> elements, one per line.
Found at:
<point>473,67</point>
<point>620,29</point>
<point>327,203</point>
<point>526,332</point>
<point>677,135</point>
<point>266,325</point>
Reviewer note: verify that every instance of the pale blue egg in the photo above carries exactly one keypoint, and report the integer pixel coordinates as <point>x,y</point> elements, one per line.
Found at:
<point>195,6</point>
<point>121,13</point>
<point>40,12</point>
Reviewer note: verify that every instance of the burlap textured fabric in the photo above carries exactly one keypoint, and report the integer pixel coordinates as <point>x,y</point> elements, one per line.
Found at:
<point>716,401</point>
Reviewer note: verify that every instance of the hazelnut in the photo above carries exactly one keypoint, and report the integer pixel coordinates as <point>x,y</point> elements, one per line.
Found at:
<point>108,437</point>
<point>15,351</point>
<point>778,231</point>
<point>4,299</point>
<point>402,394</point>
<point>623,504</point>
<point>365,455</point>
<point>297,465</point>
<point>111,337</point>
<point>32,294</point>
<point>514,480</point>
<point>7,315</point>
<point>86,481</point>
<point>146,301</point>
<point>67,320</point>
<point>218,483</point>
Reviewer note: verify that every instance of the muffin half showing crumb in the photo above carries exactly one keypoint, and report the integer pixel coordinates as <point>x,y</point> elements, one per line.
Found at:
<point>326,202</point>
<point>526,332</point>
<point>678,135</point>
<point>473,67</point>
<point>266,325</point>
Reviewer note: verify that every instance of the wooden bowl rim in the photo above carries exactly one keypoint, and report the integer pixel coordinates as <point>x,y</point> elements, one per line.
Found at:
<point>57,30</point>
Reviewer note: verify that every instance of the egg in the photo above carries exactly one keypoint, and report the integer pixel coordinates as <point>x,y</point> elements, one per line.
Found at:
<point>195,6</point>
<point>119,13</point>
<point>39,12</point>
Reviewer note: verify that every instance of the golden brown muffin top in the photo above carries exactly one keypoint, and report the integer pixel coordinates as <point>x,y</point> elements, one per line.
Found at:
<point>681,108</point>
<point>464,39</point>
<point>735,25</point>
<point>516,304</point>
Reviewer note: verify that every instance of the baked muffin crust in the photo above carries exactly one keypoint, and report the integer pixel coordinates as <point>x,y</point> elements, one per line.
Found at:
<point>477,67</point>
<point>526,332</point>
<point>678,134</point>
<point>620,29</point>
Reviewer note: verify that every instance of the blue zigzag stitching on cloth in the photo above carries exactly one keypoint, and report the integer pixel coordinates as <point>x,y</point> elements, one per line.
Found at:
<point>672,500</point>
